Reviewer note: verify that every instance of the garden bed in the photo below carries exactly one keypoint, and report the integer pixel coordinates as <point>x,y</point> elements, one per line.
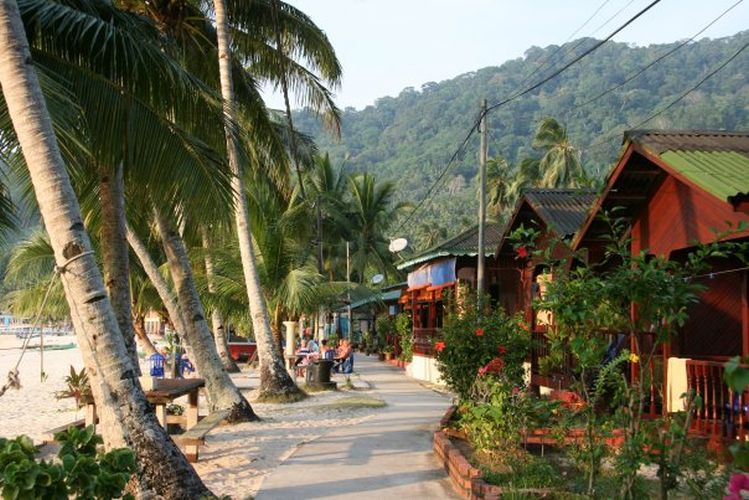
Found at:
<point>467,480</point>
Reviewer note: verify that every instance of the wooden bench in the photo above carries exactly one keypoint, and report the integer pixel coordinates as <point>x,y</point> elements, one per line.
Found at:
<point>194,437</point>
<point>49,436</point>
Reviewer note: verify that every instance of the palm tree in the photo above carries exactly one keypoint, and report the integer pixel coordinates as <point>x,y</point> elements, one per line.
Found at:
<point>499,179</point>
<point>222,393</point>
<point>372,211</point>
<point>274,379</point>
<point>429,235</point>
<point>329,188</point>
<point>560,163</point>
<point>169,157</point>
<point>220,334</point>
<point>125,414</point>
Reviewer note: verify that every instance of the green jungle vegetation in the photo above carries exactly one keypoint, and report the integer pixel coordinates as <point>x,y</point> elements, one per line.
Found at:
<point>409,138</point>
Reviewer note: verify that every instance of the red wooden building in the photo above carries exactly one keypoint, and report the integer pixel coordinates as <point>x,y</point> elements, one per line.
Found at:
<point>676,189</point>
<point>556,214</point>
<point>435,273</point>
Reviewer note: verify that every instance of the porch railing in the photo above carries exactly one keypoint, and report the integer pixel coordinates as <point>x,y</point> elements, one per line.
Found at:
<point>559,377</point>
<point>722,412</point>
<point>424,341</point>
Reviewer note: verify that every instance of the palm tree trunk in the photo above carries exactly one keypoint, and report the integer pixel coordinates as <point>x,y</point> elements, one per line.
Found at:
<point>157,280</point>
<point>139,326</point>
<point>222,393</point>
<point>115,255</point>
<point>125,416</point>
<point>275,381</point>
<point>219,332</point>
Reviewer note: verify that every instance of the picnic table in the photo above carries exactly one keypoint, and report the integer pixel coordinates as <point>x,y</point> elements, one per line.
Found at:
<point>165,391</point>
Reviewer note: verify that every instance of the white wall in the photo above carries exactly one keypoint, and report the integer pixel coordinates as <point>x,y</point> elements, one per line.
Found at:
<point>424,368</point>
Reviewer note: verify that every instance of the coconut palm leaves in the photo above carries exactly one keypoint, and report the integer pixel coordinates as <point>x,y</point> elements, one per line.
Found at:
<point>560,164</point>
<point>372,213</point>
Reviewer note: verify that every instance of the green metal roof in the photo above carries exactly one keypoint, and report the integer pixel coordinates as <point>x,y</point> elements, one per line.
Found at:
<point>724,174</point>
<point>716,161</point>
<point>379,297</point>
<point>464,244</point>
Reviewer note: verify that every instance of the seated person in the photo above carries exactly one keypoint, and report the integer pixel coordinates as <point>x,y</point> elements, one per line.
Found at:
<point>302,358</point>
<point>344,353</point>
<point>311,344</point>
<point>302,354</point>
<point>326,352</point>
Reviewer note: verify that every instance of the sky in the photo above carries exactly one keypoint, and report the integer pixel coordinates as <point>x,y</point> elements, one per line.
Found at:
<point>387,45</point>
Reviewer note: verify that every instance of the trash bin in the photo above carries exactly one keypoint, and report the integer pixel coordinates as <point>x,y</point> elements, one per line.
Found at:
<point>318,374</point>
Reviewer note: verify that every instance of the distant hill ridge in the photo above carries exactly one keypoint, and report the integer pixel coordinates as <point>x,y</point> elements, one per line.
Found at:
<point>409,138</point>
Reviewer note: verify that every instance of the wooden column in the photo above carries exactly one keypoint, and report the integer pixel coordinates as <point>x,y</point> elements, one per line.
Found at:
<point>192,421</point>
<point>745,315</point>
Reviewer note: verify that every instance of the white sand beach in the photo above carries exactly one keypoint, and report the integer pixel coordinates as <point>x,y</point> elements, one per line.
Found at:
<point>235,459</point>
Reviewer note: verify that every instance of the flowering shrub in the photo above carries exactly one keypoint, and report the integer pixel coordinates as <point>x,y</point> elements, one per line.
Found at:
<point>474,345</point>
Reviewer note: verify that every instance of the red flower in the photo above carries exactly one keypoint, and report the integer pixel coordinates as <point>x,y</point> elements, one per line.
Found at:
<point>479,332</point>
<point>494,367</point>
<point>501,350</point>
<point>515,390</point>
<point>439,346</point>
<point>522,252</point>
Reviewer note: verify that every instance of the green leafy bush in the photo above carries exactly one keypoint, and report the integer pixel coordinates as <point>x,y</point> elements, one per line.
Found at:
<point>470,341</point>
<point>79,473</point>
<point>384,326</point>
<point>402,326</point>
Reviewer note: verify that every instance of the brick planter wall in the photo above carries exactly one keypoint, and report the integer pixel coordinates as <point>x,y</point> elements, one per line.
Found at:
<point>466,479</point>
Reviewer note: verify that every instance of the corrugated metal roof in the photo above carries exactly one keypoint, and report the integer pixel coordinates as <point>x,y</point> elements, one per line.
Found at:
<point>379,297</point>
<point>464,244</point>
<point>717,161</point>
<point>563,210</point>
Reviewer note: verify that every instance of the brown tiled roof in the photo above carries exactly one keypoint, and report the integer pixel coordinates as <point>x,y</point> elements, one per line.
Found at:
<point>659,141</point>
<point>563,210</point>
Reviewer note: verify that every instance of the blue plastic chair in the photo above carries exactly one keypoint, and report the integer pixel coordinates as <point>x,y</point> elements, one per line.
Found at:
<point>185,366</point>
<point>156,363</point>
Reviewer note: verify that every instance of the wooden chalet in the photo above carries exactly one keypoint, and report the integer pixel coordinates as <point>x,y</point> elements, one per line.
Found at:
<point>557,215</point>
<point>446,268</point>
<point>677,189</point>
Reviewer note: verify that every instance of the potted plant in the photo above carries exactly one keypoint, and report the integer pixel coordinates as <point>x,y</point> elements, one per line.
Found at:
<point>388,353</point>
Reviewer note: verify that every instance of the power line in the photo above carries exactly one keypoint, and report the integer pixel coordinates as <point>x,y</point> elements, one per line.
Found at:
<point>675,101</point>
<point>553,54</point>
<point>583,40</point>
<point>658,59</point>
<point>473,128</point>
<point>575,60</point>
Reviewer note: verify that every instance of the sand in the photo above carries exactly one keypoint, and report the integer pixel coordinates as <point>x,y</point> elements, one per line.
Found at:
<point>235,459</point>
<point>33,409</point>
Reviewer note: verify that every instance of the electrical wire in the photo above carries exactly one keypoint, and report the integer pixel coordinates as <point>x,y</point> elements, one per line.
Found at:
<point>574,61</point>
<point>517,95</point>
<point>553,54</point>
<point>659,58</point>
<point>675,101</point>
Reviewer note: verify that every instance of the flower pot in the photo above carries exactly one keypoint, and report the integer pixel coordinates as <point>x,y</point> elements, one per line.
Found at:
<point>388,356</point>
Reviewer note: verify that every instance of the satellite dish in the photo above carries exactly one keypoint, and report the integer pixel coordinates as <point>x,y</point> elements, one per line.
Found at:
<point>398,244</point>
<point>377,279</point>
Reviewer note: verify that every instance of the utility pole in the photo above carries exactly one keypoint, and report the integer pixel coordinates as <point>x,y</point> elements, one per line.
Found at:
<point>482,200</point>
<point>348,282</point>
<point>319,332</point>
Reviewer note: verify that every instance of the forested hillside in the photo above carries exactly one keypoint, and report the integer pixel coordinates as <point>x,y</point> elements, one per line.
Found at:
<point>409,138</point>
